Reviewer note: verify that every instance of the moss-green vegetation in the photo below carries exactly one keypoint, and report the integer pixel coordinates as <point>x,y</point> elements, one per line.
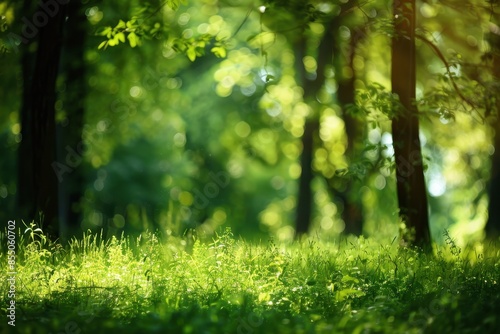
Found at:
<point>231,286</point>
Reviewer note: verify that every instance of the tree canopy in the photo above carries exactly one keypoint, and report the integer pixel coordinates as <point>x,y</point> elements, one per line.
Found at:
<point>272,117</point>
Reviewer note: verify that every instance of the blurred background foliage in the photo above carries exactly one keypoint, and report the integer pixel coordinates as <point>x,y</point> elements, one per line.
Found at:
<point>194,115</point>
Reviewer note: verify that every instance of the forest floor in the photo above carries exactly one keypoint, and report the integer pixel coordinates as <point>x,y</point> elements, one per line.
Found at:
<point>231,286</point>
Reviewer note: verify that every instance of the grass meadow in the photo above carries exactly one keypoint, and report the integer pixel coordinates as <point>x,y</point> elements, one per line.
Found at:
<point>226,285</point>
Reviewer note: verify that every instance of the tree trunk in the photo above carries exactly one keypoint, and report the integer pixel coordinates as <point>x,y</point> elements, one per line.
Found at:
<point>311,127</point>
<point>492,227</point>
<point>411,190</point>
<point>25,202</point>
<point>38,184</point>
<point>351,214</point>
<point>25,177</point>
<point>70,142</point>
<point>305,196</point>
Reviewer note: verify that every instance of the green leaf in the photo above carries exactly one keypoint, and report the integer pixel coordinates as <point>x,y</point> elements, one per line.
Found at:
<point>219,51</point>
<point>121,25</point>
<point>348,278</point>
<point>106,32</point>
<point>103,45</point>
<point>346,293</point>
<point>264,297</point>
<point>191,53</point>
<point>131,24</point>
<point>120,37</point>
<point>133,39</point>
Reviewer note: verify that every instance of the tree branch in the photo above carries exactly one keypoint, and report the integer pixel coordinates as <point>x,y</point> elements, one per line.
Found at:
<point>447,65</point>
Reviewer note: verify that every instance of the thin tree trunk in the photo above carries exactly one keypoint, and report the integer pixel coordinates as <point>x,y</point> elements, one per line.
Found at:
<point>305,196</point>
<point>311,127</point>
<point>38,182</point>
<point>351,214</point>
<point>411,190</point>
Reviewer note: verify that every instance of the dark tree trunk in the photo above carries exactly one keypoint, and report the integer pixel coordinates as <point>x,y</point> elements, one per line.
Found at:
<point>25,177</point>
<point>492,227</point>
<point>25,180</point>
<point>305,196</point>
<point>70,144</point>
<point>411,190</point>
<point>38,184</point>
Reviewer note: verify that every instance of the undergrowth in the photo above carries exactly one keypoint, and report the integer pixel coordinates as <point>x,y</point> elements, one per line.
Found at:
<point>231,286</point>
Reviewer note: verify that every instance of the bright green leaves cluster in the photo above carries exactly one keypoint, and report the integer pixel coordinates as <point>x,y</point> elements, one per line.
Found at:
<point>174,4</point>
<point>123,30</point>
<point>140,25</point>
<point>137,28</point>
<point>194,47</point>
<point>219,49</point>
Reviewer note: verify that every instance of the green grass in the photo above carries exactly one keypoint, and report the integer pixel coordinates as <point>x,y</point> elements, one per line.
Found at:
<point>232,286</point>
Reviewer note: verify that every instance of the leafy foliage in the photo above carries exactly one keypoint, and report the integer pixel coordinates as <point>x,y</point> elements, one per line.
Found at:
<point>241,111</point>
<point>195,47</point>
<point>144,23</point>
